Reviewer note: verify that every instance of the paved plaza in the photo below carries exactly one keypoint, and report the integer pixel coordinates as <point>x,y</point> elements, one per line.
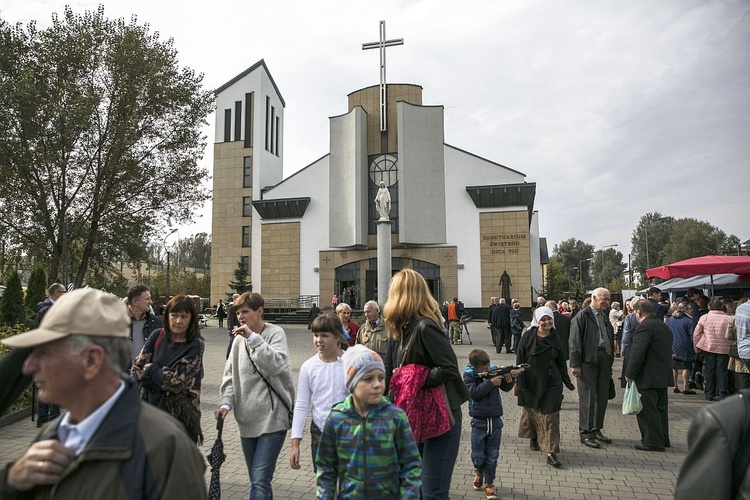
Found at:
<point>615,471</point>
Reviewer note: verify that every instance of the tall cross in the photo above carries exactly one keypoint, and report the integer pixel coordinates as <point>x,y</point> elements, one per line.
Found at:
<point>382,44</point>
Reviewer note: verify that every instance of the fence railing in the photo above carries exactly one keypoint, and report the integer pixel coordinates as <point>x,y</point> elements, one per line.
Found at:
<point>289,304</point>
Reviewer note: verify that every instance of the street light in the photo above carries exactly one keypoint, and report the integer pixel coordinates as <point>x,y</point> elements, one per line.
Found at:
<point>166,249</point>
<point>602,251</point>
<point>569,287</point>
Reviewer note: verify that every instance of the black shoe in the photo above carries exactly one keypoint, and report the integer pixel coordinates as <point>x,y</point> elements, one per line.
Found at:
<point>641,447</point>
<point>689,392</point>
<point>534,445</point>
<point>677,390</point>
<point>601,437</point>
<point>590,442</point>
<point>553,461</point>
<point>691,385</point>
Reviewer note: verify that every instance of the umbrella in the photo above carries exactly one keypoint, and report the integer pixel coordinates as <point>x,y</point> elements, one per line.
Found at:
<point>708,264</point>
<point>215,459</point>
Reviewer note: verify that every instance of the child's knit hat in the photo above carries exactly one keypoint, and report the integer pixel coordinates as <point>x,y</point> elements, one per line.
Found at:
<point>358,360</point>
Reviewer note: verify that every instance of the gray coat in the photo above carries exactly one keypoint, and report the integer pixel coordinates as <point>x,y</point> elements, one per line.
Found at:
<point>584,338</point>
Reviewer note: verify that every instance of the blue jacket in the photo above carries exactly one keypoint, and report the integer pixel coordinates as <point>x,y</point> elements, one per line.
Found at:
<point>485,401</point>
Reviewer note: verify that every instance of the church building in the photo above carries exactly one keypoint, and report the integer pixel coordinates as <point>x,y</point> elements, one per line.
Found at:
<point>458,219</point>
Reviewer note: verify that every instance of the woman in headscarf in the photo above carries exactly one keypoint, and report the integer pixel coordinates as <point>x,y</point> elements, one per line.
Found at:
<point>540,387</point>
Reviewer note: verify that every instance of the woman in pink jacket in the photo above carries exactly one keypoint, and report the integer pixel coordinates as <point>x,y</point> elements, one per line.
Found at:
<point>709,338</point>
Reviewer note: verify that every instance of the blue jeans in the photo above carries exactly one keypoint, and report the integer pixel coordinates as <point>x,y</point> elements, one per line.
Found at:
<point>438,459</point>
<point>261,454</point>
<point>485,446</point>
<point>717,374</point>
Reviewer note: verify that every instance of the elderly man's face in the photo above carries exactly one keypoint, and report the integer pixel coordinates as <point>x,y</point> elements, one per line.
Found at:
<point>600,302</point>
<point>56,371</point>
<point>371,313</point>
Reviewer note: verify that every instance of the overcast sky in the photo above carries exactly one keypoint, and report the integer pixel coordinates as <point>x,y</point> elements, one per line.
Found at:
<point>613,109</point>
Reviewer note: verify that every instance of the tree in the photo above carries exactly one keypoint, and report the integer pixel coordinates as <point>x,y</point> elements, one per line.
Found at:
<point>35,289</point>
<point>240,283</point>
<point>695,238</point>
<point>194,251</point>
<point>100,137</point>
<point>558,282</point>
<point>607,267</point>
<point>654,229</point>
<point>575,254</point>
<point>11,305</point>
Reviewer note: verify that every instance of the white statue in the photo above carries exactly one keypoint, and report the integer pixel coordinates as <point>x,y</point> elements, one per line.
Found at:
<point>383,202</point>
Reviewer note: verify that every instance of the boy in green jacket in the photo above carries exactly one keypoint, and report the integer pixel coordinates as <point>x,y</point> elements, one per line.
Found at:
<point>367,443</point>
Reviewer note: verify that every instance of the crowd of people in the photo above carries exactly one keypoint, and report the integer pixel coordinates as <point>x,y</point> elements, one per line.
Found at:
<point>384,398</point>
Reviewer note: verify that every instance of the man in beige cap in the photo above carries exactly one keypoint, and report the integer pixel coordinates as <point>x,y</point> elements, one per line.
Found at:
<point>108,444</point>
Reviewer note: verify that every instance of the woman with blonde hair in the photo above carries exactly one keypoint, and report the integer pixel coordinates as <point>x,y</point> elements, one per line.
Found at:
<point>413,316</point>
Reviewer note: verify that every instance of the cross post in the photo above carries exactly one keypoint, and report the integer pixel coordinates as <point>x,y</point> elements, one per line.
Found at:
<point>382,44</point>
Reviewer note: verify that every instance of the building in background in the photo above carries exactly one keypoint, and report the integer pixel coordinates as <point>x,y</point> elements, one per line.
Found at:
<point>458,219</point>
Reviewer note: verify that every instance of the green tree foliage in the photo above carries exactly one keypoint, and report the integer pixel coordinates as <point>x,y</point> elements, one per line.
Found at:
<point>194,251</point>
<point>12,309</point>
<point>35,290</point>
<point>575,254</point>
<point>240,283</point>
<point>100,138</point>
<point>558,282</point>
<point>607,267</point>
<point>671,240</point>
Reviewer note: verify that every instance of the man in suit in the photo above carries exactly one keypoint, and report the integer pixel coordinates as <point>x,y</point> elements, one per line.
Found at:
<point>592,348</point>
<point>501,322</point>
<point>493,304</point>
<point>649,362</point>
<point>562,327</point>
<point>654,296</point>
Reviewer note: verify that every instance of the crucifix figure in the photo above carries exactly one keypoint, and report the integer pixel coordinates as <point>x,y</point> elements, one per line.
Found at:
<point>382,44</point>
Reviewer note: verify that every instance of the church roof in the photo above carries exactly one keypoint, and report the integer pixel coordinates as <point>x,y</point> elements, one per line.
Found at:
<point>282,208</point>
<point>504,195</point>
<point>483,159</point>
<point>247,72</point>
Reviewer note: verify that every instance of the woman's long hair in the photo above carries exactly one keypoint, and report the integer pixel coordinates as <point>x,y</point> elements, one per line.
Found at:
<point>409,298</point>
<point>182,303</point>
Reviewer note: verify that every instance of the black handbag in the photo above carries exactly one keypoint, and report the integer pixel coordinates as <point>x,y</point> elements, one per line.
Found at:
<point>733,353</point>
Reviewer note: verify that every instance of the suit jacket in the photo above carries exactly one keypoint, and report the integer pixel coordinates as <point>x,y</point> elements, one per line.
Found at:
<point>501,316</point>
<point>649,359</point>
<point>584,338</point>
<point>562,327</point>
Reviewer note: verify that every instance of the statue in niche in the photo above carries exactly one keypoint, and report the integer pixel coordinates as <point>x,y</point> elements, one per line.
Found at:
<point>505,285</point>
<point>383,202</point>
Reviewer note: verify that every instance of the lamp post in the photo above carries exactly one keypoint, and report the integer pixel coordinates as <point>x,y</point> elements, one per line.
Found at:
<point>166,249</point>
<point>569,287</point>
<point>602,251</point>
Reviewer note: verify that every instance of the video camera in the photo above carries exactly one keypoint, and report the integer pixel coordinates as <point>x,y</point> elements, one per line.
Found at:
<point>501,370</point>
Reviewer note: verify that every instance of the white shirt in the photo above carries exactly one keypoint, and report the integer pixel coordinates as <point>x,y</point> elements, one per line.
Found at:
<point>77,436</point>
<point>320,386</point>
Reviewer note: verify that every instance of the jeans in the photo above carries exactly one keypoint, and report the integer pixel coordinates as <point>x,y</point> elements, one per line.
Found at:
<point>438,459</point>
<point>485,446</point>
<point>716,374</point>
<point>261,454</point>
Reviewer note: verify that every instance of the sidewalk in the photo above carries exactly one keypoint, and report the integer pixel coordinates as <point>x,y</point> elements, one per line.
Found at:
<point>615,471</point>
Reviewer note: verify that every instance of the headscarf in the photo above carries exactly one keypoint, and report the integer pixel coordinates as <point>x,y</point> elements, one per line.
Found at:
<point>539,313</point>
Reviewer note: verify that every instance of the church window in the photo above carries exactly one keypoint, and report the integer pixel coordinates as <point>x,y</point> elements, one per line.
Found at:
<point>382,168</point>
<point>246,206</point>
<point>247,172</point>
<point>268,125</point>
<point>278,128</point>
<point>227,125</point>
<point>245,263</point>
<point>237,120</point>
<point>249,119</point>
<point>245,236</point>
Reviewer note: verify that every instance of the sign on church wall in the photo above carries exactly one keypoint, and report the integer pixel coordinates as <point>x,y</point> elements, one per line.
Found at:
<point>504,248</point>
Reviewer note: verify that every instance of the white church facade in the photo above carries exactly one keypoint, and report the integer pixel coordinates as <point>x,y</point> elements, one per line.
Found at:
<point>458,219</point>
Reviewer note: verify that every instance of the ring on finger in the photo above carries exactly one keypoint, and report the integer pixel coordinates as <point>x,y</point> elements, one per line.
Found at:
<point>41,465</point>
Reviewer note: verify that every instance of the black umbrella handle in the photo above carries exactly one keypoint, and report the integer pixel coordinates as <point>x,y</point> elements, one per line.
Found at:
<point>219,427</point>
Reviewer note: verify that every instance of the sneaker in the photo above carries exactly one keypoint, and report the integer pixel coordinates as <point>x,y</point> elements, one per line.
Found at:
<point>489,490</point>
<point>478,481</point>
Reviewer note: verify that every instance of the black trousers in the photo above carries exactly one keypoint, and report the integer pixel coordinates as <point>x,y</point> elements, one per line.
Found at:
<point>593,394</point>
<point>503,337</point>
<point>653,420</point>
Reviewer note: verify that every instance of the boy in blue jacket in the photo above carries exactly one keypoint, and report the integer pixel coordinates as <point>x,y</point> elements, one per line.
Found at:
<point>485,409</point>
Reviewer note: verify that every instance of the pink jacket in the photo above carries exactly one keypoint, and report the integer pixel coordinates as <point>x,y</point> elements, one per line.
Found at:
<point>710,333</point>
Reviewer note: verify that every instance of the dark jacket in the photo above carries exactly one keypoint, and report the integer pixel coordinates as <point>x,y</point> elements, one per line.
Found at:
<point>540,387</point>
<point>562,327</point>
<point>138,451</point>
<point>501,316</point>
<point>584,338</point>
<point>41,310</point>
<point>715,466</point>
<point>649,359</point>
<point>659,309</point>
<point>14,381</point>
<point>431,348</point>
<point>516,313</point>
<point>484,396</point>
<point>232,322</point>
<point>153,322</point>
